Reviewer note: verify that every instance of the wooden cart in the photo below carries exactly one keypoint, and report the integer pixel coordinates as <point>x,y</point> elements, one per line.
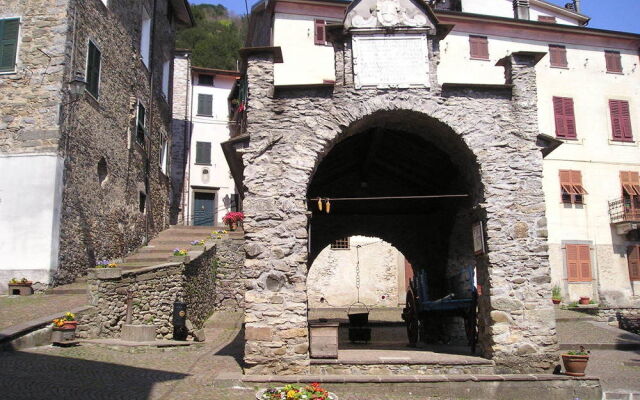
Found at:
<point>420,310</point>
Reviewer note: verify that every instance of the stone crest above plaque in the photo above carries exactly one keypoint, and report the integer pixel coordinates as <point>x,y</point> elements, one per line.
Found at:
<point>385,14</point>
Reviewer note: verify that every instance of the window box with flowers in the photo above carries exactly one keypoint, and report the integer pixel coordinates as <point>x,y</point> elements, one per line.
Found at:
<point>64,328</point>
<point>296,392</point>
<point>180,255</point>
<point>233,219</point>
<point>106,269</point>
<point>20,287</point>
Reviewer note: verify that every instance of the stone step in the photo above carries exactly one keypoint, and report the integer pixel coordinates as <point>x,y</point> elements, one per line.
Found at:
<point>78,287</point>
<point>196,228</point>
<point>148,257</point>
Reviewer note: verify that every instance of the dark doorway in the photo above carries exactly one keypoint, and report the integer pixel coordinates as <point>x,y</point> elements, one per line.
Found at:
<point>204,209</point>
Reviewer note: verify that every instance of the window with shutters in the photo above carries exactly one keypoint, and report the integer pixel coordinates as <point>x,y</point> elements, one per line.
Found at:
<point>578,259</point>
<point>205,80</point>
<point>547,18</point>
<point>571,189</point>
<point>9,31</point>
<point>141,124</point>
<point>341,244</point>
<point>203,153</point>
<point>93,69</point>
<point>164,155</point>
<point>620,120</point>
<point>205,105</point>
<point>166,76</point>
<point>320,32</point>
<point>630,184</point>
<point>633,257</point>
<point>558,55</point>
<point>613,60</point>
<point>479,47</point>
<point>145,37</point>
<point>565,117</point>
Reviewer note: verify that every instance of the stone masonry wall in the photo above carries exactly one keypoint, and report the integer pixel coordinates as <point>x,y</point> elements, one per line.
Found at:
<point>229,284</point>
<point>289,135</point>
<point>30,97</point>
<point>180,132</point>
<point>102,219</point>
<point>154,290</point>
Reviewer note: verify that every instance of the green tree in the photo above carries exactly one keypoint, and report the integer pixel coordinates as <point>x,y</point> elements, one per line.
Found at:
<point>216,38</point>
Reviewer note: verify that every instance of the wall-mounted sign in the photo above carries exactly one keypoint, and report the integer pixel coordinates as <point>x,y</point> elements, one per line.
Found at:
<point>390,61</point>
<point>478,238</point>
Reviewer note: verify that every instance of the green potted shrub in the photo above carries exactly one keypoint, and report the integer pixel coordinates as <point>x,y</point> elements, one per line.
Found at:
<point>575,362</point>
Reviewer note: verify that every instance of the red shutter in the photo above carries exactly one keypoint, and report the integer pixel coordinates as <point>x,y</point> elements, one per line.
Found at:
<point>479,47</point>
<point>572,263</point>
<point>320,32</point>
<point>546,18</point>
<point>633,256</point>
<point>564,117</point>
<point>620,120</point>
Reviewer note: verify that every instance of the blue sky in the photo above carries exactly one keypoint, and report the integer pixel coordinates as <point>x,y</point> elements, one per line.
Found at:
<point>617,15</point>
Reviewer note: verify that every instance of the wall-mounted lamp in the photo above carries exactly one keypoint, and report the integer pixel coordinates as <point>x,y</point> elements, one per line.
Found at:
<point>77,86</point>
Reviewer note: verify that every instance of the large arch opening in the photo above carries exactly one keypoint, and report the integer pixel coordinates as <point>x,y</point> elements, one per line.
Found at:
<point>411,181</point>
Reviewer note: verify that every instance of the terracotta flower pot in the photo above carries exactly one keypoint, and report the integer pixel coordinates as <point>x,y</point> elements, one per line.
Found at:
<point>68,325</point>
<point>556,301</point>
<point>584,300</point>
<point>575,365</point>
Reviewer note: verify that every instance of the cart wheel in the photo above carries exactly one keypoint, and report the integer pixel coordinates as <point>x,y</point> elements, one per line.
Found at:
<point>411,319</point>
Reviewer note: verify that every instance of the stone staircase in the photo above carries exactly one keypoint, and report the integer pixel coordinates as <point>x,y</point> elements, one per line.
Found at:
<point>160,249</point>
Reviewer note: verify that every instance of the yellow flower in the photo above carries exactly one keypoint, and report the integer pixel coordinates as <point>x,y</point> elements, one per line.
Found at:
<point>291,394</point>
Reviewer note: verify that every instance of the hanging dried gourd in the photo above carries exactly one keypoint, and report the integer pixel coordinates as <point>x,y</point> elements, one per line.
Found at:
<point>319,203</point>
<point>328,205</point>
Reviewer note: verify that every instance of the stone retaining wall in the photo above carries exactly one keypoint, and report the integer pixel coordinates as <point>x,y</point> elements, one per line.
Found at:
<point>154,290</point>
<point>229,285</point>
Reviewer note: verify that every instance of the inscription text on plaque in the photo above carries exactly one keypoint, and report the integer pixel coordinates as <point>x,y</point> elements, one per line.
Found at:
<point>390,61</point>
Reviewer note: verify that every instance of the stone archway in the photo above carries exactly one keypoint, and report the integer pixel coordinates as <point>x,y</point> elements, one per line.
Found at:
<point>292,130</point>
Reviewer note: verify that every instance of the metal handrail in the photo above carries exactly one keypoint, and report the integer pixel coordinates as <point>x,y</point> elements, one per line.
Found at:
<point>624,209</point>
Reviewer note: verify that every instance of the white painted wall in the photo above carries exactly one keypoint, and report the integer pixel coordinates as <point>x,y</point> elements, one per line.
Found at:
<point>214,129</point>
<point>30,223</point>
<point>504,8</point>
<point>333,275</point>
<point>304,61</point>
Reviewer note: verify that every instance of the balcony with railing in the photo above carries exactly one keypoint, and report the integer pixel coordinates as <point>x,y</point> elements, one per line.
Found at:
<point>625,213</point>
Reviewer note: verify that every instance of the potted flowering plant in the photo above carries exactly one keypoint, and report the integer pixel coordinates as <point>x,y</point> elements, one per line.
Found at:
<point>20,287</point>
<point>296,392</point>
<point>232,219</point>
<point>575,362</point>
<point>64,328</point>
<point>105,269</point>
<point>106,264</point>
<point>180,255</point>
<point>199,244</point>
<point>584,300</point>
<point>556,296</point>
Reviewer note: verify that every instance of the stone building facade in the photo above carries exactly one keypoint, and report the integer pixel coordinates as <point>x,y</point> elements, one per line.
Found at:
<point>84,174</point>
<point>309,142</point>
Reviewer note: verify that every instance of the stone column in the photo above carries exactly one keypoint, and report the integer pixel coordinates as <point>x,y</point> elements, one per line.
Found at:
<point>521,321</point>
<point>276,237</point>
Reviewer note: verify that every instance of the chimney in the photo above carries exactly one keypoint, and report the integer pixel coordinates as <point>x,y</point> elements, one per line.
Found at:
<point>576,5</point>
<point>521,9</point>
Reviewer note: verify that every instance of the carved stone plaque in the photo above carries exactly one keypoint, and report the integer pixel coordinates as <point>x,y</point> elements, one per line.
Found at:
<point>390,61</point>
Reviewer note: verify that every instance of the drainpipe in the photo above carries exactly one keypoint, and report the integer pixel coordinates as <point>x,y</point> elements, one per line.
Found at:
<point>521,9</point>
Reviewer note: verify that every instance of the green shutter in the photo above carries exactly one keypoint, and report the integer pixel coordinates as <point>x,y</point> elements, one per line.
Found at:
<point>203,153</point>
<point>93,69</point>
<point>205,104</point>
<point>9,29</point>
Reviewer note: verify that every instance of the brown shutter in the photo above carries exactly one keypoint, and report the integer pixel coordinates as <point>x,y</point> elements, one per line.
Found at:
<point>576,182</point>
<point>479,47</point>
<point>625,120</point>
<point>633,257</point>
<point>630,181</point>
<point>584,255</point>
<point>566,181</point>
<point>613,60</point>
<point>320,32</point>
<point>558,56</point>
<point>558,111</point>
<point>572,262</point>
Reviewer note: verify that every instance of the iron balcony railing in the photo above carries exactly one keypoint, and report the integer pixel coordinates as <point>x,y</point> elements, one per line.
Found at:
<point>626,209</point>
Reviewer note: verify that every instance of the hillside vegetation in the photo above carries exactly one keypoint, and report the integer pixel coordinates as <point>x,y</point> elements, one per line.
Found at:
<point>216,38</point>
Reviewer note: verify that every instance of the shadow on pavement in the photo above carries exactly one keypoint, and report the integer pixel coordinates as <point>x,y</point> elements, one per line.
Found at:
<point>37,376</point>
<point>235,348</point>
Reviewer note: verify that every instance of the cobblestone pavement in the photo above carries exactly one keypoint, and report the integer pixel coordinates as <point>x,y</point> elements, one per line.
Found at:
<point>17,309</point>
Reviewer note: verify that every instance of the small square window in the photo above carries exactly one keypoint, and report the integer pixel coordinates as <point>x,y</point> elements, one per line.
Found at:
<point>340,244</point>
<point>558,55</point>
<point>479,47</point>
<point>203,153</point>
<point>205,80</point>
<point>205,105</point>
<point>9,29</point>
<point>613,60</point>
<point>571,188</point>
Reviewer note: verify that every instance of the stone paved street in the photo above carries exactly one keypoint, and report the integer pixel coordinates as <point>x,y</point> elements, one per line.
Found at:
<point>15,309</point>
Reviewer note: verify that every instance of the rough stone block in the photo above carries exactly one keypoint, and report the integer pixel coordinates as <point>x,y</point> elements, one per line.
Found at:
<point>258,333</point>
<point>138,333</point>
